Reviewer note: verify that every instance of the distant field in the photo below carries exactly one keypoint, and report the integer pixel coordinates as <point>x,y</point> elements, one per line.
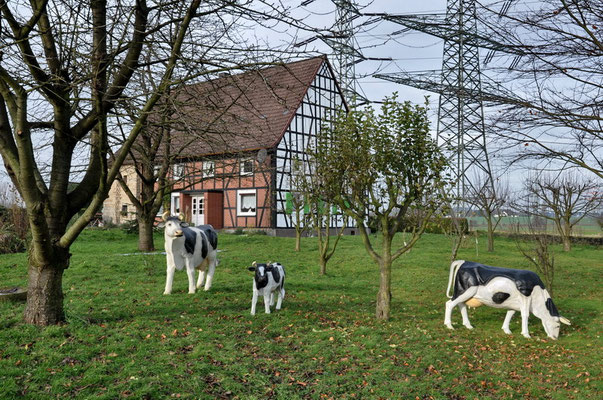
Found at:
<point>124,339</point>
<point>586,227</point>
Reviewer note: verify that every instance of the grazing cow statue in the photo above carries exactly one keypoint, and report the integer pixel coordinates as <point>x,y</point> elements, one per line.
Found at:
<point>269,278</point>
<point>516,290</point>
<point>190,247</point>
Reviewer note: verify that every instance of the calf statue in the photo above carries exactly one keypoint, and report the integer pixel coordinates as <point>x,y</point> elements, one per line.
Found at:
<point>192,247</point>
<point>268,279</point>
<point>513,289</point>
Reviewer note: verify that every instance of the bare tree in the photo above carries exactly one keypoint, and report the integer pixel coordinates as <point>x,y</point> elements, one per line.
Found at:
<point>489,199</point>
<point>553,83</point>
<point>298,202</point>
<point>563,199</point>
<point>323,216</point>
<point>64,67</point>
<point>322,220</point>
<point>452,224</point>
<point>534,243</point>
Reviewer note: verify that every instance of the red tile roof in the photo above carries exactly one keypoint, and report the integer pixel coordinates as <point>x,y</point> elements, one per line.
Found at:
<point>241,112</point>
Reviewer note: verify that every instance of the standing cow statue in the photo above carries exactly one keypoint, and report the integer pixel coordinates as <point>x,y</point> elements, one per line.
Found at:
<point>513,289</point>
<point>269,280</point>
<point>192,247</point>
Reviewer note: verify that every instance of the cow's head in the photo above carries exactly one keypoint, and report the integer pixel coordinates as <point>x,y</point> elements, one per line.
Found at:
<point>548,314</point>
<point>261,273</point>
<point>173,225</point>
<point>552,325</point>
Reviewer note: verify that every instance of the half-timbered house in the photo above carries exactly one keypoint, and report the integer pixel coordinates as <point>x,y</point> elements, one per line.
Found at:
<point>245,136</point>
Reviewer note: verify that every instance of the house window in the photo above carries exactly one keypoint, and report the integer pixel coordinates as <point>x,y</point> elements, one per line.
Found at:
<point>175,206</point>
<point>209,168</point>
<point>124,210</point>
<point>178,171</point>
<point>246,167</point>
<point>246,202</point>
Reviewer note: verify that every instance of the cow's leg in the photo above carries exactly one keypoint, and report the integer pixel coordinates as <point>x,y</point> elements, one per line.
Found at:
<point>267,302</point>
<point>169,279</point>
<point>272,296</point>
<point>465,315</point>
<point>213,261</point>
<point>254,301</point>
<point>201,268</point>
<point>281,296</point>
<point>525,315</point>
<point>505,326</point>
<point>190,271</point>
<point>450,304</point>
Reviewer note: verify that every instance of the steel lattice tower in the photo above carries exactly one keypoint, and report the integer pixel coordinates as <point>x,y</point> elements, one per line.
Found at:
<point>343,48</point>
<point>460,130</point>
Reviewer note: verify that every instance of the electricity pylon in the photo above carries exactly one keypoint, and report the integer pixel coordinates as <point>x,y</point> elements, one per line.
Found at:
<point>460,130</point>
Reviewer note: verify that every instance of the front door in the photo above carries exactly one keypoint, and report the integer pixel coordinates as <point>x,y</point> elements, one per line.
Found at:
<point>198,210</point>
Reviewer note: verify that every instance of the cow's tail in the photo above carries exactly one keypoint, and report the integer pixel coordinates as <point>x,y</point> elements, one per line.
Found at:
<point>454,267</point>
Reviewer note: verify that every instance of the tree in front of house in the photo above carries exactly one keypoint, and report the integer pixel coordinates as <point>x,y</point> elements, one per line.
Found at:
<point>297,201</point>
<point>387,166</point>
<point>62,70</point>
<point>64,67</point>
<point>322,215</point>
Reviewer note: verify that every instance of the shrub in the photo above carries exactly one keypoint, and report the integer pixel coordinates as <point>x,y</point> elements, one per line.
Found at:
<point>435,225</point>
<point>10,242</point>
<point>130,227</point>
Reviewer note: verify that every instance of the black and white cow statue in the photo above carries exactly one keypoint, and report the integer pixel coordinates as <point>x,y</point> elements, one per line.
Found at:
<point>269,278</point>
<point>193,248</point>
<point>513,289</point>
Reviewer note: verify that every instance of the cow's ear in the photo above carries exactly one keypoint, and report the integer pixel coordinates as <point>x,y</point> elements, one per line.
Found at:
<point>161,225</point>
<point>251,268</point>
<point>183,225</point>
<point>564,320</point>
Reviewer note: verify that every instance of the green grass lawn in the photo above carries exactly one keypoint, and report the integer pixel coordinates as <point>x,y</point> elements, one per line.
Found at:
<point>123,338</point>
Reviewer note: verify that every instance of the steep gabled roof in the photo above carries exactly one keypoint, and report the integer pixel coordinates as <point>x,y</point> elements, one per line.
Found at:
<point>241,112</point>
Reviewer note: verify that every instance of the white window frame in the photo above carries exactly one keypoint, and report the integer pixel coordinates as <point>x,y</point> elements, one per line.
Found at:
<point>209,169</point>
<point>240,194</point>
<point>178,171</point>
<point>242,165</point>
<point>174,196</point>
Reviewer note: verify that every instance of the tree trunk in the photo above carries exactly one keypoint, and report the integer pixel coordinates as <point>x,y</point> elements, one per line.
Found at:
<point>567,243</point>
<point>297,240</point>
<point>323,264</point>
<point>145,234</point>
<point>384,295</point>
<point>45,290</point>
<point>490,235</point>
<point>566,234</point>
